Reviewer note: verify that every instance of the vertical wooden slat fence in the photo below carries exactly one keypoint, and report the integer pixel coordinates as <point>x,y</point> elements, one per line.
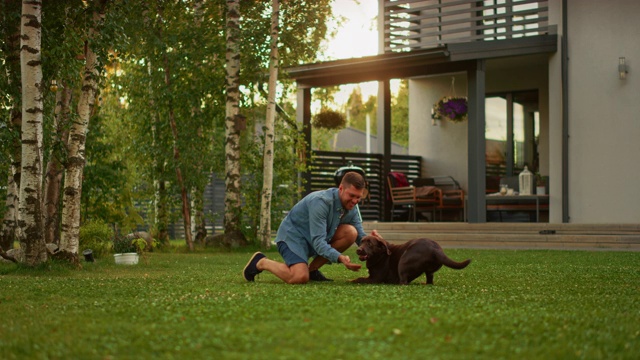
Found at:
<point>325,163</point>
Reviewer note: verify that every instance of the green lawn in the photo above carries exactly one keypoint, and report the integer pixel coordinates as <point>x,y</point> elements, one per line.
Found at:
<point>506,304</point>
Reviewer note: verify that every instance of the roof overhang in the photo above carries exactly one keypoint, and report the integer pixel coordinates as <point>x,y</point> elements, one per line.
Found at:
<point>441,60</point>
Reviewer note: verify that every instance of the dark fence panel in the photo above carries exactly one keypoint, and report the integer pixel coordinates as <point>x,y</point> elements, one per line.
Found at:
<point>325,163</point>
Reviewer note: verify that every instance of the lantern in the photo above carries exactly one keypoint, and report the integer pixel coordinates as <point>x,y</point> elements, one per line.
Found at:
<point>526,181</point>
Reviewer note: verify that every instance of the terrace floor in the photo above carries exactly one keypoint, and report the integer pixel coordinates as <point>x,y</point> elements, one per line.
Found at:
<point>609,237</point>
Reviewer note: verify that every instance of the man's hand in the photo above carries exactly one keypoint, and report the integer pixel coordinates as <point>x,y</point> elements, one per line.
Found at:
<point>375,233</point>
<point>348,264</point>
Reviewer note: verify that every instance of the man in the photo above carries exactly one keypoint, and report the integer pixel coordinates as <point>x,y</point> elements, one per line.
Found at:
<point>322,225</point>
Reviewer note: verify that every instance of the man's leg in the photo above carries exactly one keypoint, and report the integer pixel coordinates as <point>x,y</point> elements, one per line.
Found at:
<point>293,271</point>
<point>294,274</point>
<point>344,237</point>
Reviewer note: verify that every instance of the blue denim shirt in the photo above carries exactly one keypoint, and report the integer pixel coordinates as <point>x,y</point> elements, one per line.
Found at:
<point>312,222</point>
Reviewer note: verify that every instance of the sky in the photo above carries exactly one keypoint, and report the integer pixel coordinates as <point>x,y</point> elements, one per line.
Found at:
<point>357,36</point>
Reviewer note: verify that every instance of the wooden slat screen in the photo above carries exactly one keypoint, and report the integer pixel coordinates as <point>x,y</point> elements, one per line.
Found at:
<point>325,163</point>
<point>422,24</point>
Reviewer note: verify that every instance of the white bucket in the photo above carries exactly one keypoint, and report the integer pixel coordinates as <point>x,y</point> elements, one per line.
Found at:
<point>126,258</point>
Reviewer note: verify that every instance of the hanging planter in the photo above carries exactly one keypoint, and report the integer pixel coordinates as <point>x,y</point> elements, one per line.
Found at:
<point>329,119</point>
<point>453,108</point>
<point>450,108</point>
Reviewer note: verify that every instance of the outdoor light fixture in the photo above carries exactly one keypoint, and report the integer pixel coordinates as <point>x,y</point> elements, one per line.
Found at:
<point>622,68</point>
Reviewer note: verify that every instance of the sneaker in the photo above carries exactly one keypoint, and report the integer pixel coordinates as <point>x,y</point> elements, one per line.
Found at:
<point>316,275</point>
<point>251,270</point>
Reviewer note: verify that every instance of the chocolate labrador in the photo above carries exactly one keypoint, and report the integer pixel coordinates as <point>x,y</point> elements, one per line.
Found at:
<point>401,264</point>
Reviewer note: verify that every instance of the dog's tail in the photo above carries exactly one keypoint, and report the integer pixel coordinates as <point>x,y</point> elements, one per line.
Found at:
<point>454,264</point>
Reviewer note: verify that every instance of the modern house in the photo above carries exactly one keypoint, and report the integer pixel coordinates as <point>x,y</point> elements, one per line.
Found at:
<point>549,84</point>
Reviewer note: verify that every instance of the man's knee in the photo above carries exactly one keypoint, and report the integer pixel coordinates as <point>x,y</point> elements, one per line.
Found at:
<point>299,274</point>
<point>299,279</point>
<point>347,231</point>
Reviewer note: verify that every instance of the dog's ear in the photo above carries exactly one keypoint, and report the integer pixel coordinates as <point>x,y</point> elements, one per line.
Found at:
<point>386,246</point>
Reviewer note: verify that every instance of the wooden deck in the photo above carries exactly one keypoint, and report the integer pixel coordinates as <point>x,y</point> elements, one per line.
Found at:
<point>607,237</point>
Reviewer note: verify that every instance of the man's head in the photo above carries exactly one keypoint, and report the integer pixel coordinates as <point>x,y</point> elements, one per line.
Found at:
<point>351,189</point>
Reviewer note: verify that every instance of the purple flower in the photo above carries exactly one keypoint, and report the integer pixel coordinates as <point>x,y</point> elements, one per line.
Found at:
<point>454,109</point>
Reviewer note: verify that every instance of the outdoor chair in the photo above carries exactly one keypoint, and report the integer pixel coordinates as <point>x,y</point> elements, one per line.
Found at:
<point>414,200</point>
<point>450,195</point>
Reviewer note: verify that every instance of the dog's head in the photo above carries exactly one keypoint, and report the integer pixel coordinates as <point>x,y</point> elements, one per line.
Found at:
<point>372,247</point>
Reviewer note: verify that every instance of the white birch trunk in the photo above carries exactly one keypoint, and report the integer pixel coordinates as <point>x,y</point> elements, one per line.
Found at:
<point>232,199</point>
<point>10,219</point>
<point>269,136</point>
<point>30,207</point>
<point>10,229</point>
<point>70,225</point>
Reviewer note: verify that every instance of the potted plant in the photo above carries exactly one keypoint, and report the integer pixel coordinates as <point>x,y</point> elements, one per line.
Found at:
<point>127,250</point>
<point>452,108</point>
<point>329,119</point>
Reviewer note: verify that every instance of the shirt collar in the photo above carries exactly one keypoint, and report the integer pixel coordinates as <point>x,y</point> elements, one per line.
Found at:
<point>338,204</point>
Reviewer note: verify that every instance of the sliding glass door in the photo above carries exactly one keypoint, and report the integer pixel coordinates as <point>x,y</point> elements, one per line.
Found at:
<point>512,130</point>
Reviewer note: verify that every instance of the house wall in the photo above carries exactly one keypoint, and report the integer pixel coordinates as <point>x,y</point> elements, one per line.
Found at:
<point>604,111</point>
<point>443,147</point>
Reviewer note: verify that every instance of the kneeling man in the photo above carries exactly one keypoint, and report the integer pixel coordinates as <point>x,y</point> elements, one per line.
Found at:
<point>322,225</point>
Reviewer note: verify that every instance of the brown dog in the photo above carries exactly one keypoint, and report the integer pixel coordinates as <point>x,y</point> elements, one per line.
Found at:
<point>401,264</point>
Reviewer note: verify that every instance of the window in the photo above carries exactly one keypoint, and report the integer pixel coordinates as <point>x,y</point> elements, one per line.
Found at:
<point>512,130</point>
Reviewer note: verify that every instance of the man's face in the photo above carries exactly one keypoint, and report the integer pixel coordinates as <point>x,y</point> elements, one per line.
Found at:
<point>349,196</point>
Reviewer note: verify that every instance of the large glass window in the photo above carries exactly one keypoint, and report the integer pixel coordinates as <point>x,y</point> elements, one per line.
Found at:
<point>512,129</point>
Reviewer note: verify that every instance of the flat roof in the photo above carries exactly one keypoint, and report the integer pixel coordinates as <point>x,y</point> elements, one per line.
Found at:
<point>445,59</point>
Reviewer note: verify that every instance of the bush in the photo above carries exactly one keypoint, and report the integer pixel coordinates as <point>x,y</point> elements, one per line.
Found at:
<point>96,235</point>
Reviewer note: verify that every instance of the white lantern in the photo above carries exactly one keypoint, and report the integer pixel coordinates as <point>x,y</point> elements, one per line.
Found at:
<point>526,181</point>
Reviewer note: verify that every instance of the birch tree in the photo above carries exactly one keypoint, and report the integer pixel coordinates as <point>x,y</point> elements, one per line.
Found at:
<point>30,203</point>
<point>269,136</point>
<point>11,133</point>
<point>233,124</point>
<point>70,225</point>
<point>198,225</point>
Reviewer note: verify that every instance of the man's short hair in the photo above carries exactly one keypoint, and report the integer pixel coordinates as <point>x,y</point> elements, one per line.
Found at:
<point>354,179</point>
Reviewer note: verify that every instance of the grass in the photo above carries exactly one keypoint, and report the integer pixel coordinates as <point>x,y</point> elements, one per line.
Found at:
<point>505,305</point>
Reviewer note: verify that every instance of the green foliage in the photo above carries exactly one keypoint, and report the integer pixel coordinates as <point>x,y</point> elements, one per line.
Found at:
<point>106,190</point>
<point>286,166</point>
<point>97,236</point>
<point>505,305</point>
<point>359,109</point>
<point>123,245</point>
<point>400,115</point>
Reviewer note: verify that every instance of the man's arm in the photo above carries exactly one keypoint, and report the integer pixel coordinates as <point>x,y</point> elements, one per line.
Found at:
<point>319,211</point>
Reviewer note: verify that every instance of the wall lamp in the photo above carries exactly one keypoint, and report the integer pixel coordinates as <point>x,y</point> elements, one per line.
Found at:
<point>622,68</point>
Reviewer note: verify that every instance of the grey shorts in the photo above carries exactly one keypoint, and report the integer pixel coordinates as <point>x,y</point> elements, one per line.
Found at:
<point>290,258</point>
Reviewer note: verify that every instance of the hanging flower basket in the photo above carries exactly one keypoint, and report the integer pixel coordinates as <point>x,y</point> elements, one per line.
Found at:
<point>329,119</point>
<point>451,108</point>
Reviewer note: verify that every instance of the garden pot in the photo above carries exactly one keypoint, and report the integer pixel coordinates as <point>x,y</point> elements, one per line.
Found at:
<point>126,258</point>
<point>88,255</point>
<point>540,190</point>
